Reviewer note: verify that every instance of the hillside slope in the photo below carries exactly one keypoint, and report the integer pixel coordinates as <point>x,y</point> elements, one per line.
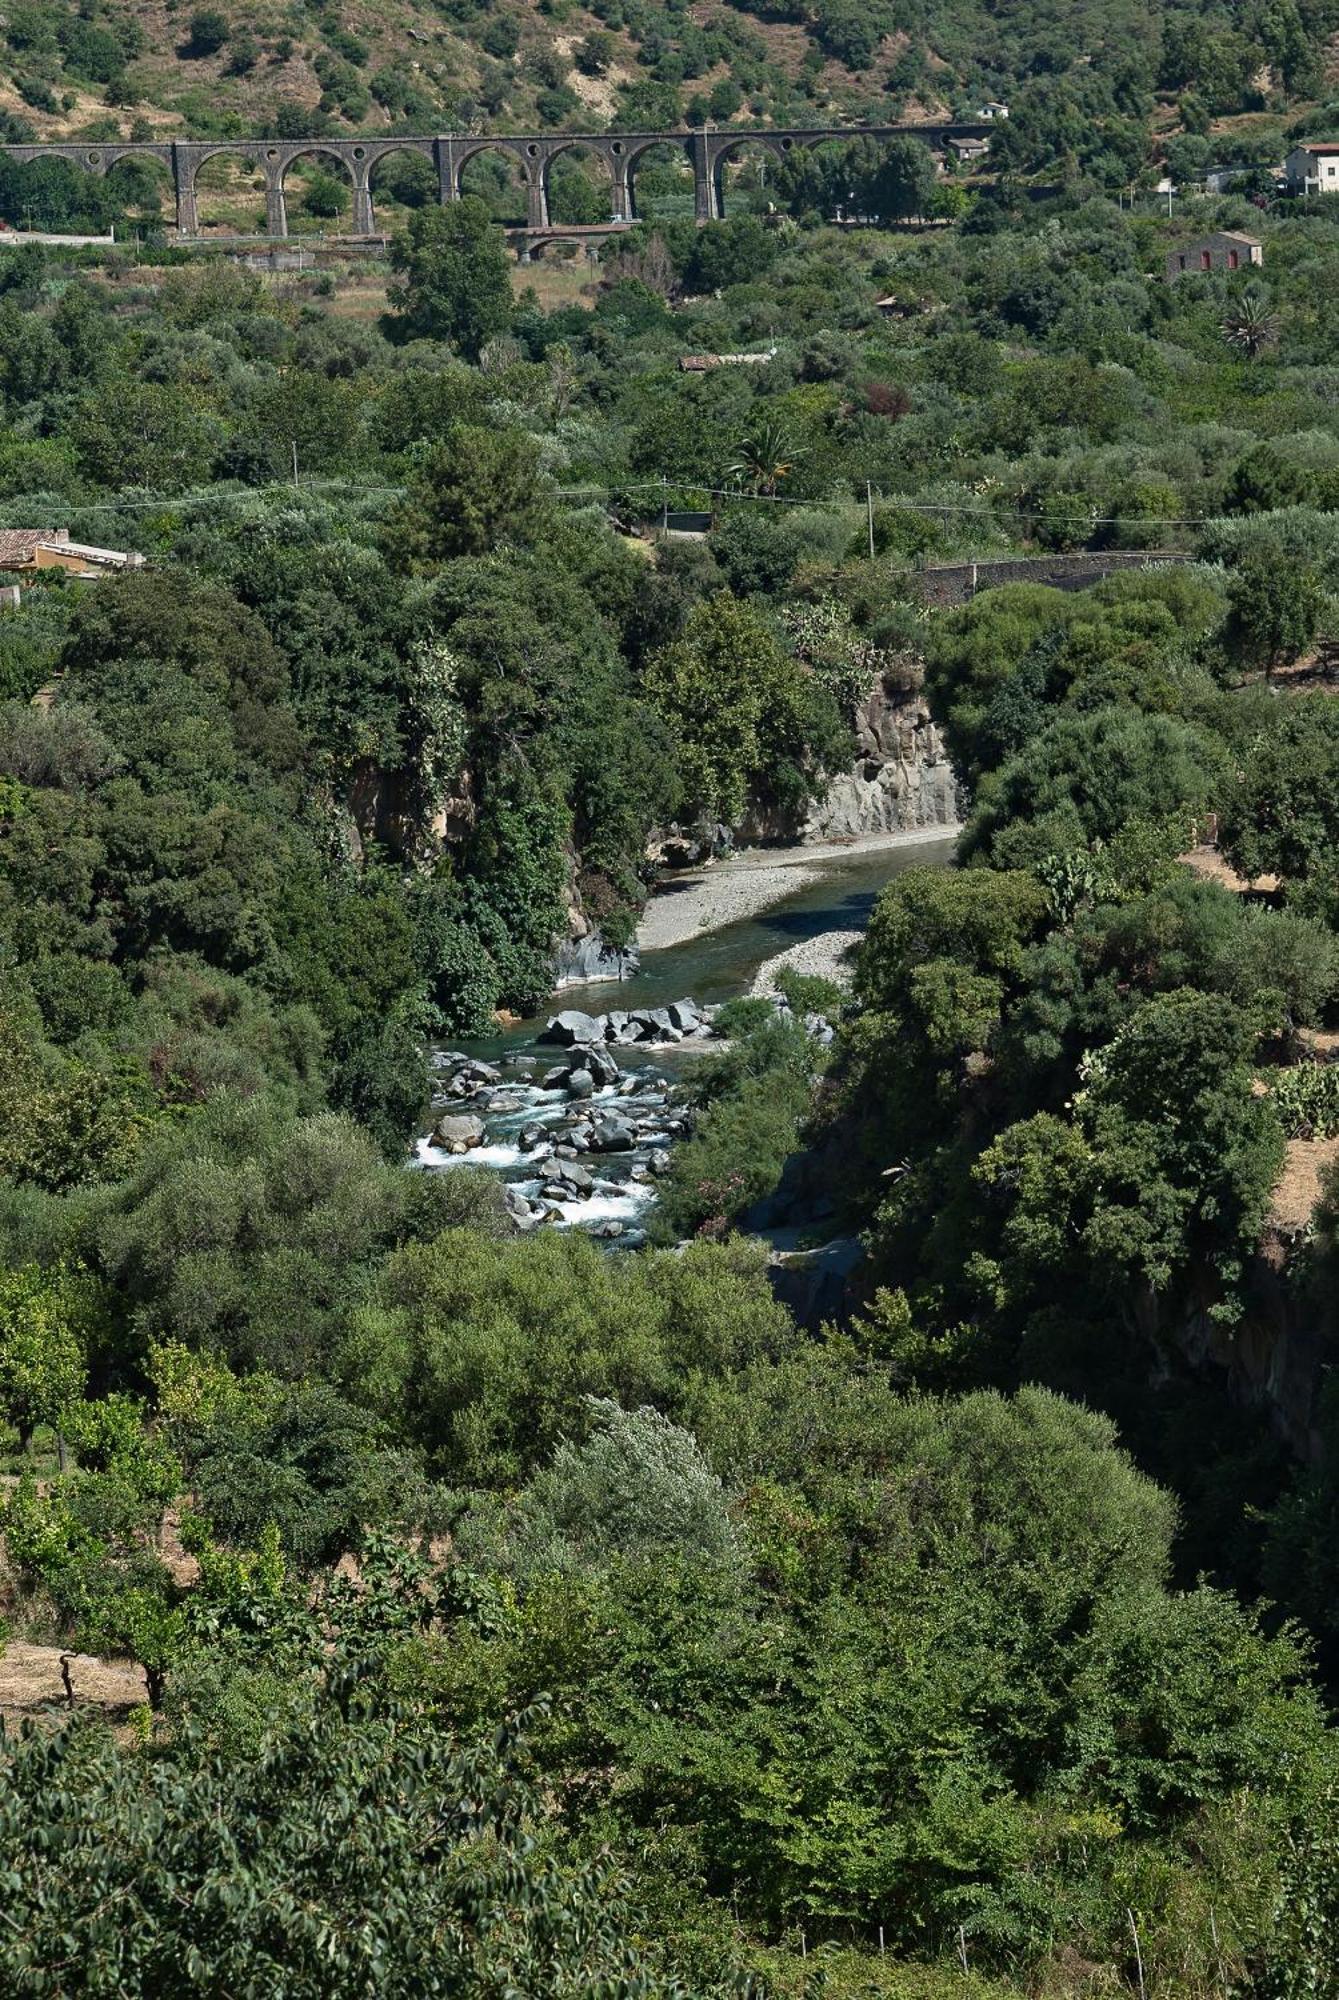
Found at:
<point>1081,79</point>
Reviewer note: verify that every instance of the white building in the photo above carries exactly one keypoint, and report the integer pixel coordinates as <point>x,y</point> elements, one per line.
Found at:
<point>1313,168</point>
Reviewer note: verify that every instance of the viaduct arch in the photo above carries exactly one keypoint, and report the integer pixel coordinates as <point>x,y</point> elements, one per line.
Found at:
<point>707,151</point>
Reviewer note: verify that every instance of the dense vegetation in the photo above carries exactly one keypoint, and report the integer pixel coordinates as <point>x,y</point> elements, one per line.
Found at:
<point>518,1618</point>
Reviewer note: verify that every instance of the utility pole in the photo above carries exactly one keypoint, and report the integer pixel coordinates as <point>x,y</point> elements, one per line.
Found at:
<point>295,465</point>
<point>869,516</point>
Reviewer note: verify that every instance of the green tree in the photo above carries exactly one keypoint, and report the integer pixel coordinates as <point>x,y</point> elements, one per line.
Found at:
<point>209,30</point>
<point>742,710</point>
<point>144,434</point>
<point>897,182</point>
<point>638,1485</point>
<point>364,1845</point>
<point>453,279</point>
<point>43,1363</point>
<point>1086,776</point>
<point>1251,326</point>
<point>297,1457</point>
<point>594,52</point>
<point>325,196</point>
<point>483,1353</point>
<point>1276,604</point>
<point>477,489</point>
<point>1281,812</point>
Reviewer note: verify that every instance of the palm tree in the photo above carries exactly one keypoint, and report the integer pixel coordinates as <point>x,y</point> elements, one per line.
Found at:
<point>1251,324</point>
<point>766,456</point>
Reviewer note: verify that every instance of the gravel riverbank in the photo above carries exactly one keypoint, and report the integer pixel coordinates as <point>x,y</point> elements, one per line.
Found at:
<point>824,956</point>
<point>743,885</point>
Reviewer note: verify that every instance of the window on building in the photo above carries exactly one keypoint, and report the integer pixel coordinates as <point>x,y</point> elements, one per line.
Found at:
<point>1232,260</point>
<point>1206,260</point>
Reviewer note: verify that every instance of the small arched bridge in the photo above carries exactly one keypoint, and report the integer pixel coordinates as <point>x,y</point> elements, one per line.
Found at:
<point>534,154</point>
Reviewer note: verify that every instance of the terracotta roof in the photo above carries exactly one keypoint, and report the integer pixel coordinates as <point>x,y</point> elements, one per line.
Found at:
<point>1318,146</point>
<point>18,545</point>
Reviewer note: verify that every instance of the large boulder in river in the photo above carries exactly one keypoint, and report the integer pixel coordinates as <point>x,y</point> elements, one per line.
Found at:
<point>686,1016</point>
<point>599,1062</point>
<point>584,961</point>
<point>653,1024</point>
<point>461,1132</point>
<point>612,1135</point>
<point>589,1066</point>
<point>571,1027</point>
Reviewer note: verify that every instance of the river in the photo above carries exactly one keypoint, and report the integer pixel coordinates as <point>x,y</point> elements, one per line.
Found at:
<point>837,894</point>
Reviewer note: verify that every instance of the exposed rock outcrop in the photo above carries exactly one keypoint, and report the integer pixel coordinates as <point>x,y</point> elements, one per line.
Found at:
<point>585,961</point>
<point>680,1021</point>
<point>383,809</point>
<point>901,778</point>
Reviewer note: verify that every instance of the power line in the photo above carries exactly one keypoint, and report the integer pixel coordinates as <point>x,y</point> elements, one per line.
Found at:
<point>895,499</point>
<point>335,490</point>
<point>212,499</point>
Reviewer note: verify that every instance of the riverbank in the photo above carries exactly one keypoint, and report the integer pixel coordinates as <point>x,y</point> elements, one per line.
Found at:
<point>743,885</point>
<point>822,957</point>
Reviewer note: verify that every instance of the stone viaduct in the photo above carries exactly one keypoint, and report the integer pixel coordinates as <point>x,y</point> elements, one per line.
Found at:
<point>534,153</point>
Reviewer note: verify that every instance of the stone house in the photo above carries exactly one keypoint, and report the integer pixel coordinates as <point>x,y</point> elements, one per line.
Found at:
<point>27,549</point>
<point>1225,250</point>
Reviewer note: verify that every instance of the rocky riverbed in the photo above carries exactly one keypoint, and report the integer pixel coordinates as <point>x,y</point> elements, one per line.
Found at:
<point>579,1113</point>
<point>580,1142</point>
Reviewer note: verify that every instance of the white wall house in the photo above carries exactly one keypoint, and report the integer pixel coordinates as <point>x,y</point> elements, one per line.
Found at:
<point>1314,168</point>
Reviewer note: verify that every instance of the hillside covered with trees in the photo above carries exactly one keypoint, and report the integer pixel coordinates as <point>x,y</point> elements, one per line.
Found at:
<point>511,1616</point>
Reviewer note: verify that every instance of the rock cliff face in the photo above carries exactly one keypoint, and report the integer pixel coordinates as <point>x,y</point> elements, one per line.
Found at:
<point>589,960</point>
<point>901,778</point>
<point>1276,1360</point>
<point>382,809</point>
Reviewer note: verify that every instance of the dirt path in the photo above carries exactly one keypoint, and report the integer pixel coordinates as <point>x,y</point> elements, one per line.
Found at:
<point>30,1680</point>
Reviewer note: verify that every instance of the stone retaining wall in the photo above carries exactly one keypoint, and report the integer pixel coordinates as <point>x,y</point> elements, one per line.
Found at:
<point>946,584</point>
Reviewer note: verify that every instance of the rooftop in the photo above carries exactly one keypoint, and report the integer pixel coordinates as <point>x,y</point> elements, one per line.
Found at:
<point>20,545</point>
<point>24,548</point>
<point>697,364</point>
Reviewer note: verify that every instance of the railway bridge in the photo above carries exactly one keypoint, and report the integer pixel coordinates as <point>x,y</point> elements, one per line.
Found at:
<point>708,151</point>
